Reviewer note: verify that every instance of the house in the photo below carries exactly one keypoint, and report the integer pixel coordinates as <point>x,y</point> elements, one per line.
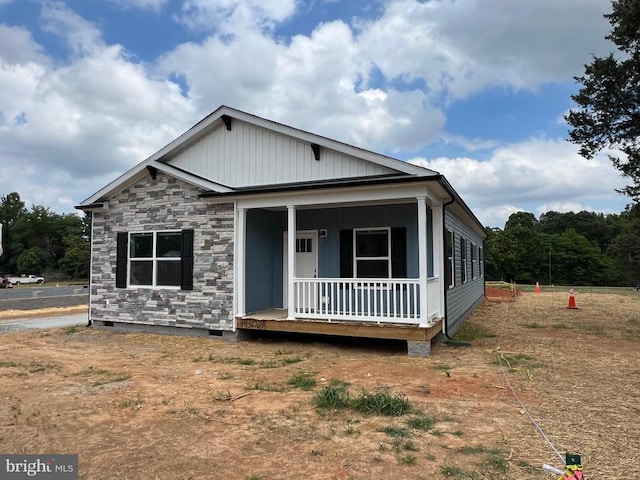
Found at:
<point>242,223</point>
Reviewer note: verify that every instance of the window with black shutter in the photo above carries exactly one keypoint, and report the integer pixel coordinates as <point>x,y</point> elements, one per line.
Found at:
<point>155,259</point>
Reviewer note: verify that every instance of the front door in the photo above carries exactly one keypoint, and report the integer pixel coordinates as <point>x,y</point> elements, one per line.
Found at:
<point>306,264</point>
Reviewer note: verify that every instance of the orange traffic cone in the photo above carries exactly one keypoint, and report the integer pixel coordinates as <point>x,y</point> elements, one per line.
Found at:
<point>537,287</point>
<point>572,299</point>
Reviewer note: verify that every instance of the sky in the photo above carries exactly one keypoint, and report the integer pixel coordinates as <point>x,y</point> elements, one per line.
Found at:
<point>474,89</point>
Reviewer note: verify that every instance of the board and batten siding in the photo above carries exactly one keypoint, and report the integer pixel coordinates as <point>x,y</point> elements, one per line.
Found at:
<point>463,298</point>
<point>249,156</point>
<point>166,203</point>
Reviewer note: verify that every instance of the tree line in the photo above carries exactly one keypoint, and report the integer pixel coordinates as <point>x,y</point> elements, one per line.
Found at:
<point>582,248</point>
<point>41,242</point>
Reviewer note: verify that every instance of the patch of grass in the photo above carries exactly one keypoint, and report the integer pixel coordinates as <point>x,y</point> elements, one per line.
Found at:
<point>115,379</point>
<point>225,376</point>
<point>8,364</point>
<point>517,361</point>
<point>39,367</point>
<point>264,387</point>
<point>303,381</point>
<point>283,352</point>
<point>456,472</point>
<point>470,331</point>
<point>531,325</point>
<point>441,367</point>
<point>473,450</point>
<point>70,330</point>
<point>191,409</point>
<point>394,432</point>
<point>290,360</point>
<point>593,328</point>
<point>381,403</point>
<point>562,326</point>
<point>497,461</point>
<point>244,361</point>
<point>332,397</point>
<point>421,423</point>
<point>457,433</point>
<point>335,396</point>
<point>255,476</point>
<point>135,403</point>
<point>350,430</point>
<point>91,370</point>
<point>495,457</point>
<point>409,446</point>
<point>408,460</point>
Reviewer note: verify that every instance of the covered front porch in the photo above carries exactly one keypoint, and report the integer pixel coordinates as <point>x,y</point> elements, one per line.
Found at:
<point>343,259</point>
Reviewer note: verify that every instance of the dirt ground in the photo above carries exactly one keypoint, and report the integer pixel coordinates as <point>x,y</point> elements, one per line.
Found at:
<point>142,406</point>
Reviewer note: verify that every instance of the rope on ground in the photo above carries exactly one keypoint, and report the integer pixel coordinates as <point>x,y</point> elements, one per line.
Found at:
<point>515,395</point>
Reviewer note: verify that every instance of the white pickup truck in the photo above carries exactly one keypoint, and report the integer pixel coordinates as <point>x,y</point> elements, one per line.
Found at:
<point>26,279</point>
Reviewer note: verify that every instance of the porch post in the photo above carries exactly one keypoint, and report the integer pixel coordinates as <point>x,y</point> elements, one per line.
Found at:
<point>240,261</point>
<point>422,259</point>
<point>291,260</point>
<point>438,252</point>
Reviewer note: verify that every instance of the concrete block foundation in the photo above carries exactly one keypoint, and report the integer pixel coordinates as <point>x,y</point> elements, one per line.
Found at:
<point>418,349</point>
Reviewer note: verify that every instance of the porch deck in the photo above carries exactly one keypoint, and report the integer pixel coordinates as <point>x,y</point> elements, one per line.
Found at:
<point>275,320</point>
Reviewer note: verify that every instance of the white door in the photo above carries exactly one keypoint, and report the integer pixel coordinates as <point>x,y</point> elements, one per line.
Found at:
<point>306,266</point>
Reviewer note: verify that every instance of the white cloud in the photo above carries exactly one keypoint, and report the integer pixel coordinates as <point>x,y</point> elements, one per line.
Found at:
<point>310,83</point>
<point>229,16</point>
<point>533,176</point>
<point>65,130</point>
<point>71,125</point>
<point>461,47</point>
<point>81,36</point>
<point>18,47</point>
<point>155,5</point>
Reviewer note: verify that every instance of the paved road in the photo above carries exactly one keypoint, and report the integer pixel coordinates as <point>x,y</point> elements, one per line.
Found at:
<point>41,291</point>
<point>20,325</point>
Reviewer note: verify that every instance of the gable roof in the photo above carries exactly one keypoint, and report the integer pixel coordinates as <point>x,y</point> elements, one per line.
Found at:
<point>188,158</point>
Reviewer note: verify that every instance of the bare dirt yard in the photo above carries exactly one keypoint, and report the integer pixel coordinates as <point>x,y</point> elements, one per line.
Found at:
<point>142,406</point>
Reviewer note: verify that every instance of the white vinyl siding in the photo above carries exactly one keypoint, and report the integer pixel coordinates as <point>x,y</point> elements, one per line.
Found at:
<point>248,155</point>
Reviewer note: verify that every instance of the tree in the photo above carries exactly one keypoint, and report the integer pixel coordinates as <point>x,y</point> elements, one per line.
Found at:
<point>608,116</point>
<point>11,209</point>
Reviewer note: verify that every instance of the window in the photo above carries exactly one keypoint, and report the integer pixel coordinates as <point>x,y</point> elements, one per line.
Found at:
<point>304,245</point>
<point>373,253</point>
<point>481,257</point>
<point>450,273</point>
<point>463,259</point>
<point>155,259</point>
<point>372,257</point>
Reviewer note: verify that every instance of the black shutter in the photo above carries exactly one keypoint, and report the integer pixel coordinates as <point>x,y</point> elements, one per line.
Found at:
<point>399,252</point>
<point>450,254</point>
<point>186,257</point>
<point>122,243</point>
<point>346,253</point>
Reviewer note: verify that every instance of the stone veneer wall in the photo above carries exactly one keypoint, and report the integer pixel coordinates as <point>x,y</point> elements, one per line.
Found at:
<point>166,203</point>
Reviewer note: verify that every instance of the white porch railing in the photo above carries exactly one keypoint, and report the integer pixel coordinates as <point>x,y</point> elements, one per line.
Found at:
<point>378,300</point>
